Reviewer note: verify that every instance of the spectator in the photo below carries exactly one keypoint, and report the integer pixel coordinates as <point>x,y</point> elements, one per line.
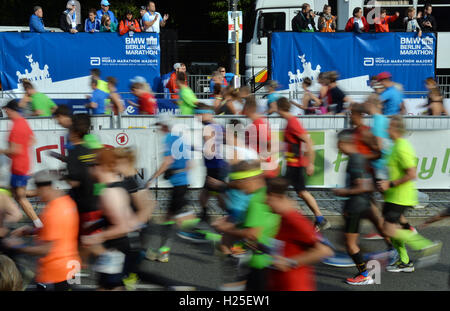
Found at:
<point>116,100</point>
<point>358,22</point>
<point>426,21</point>
<point>97,100</point>
<point>304,20</point>
<point>10,277</point>
<point>57,241</point>
<point>218,77</point>
<point>41,105</point>
<point>272,97</point>
<point>435,102</point>
<point>336,98</point>
<point>172,83</point>
<point>36,20</point>
<point>382,23</point>
<point>144,17</point>
<point>188,100</point>
<point>107,25</point>
<point>105,11</point>
<point>92,24</point>
<point>77,11</point>
<point>129,24</point>
<point>146,100</point>
<point>411,24</point>
<point>153,20</point>
<point>68,19</point>
<point>327,22</point>
<point>392,97</point>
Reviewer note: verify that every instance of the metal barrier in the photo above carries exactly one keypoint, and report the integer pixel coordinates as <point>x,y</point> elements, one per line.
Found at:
<point>444,83</point>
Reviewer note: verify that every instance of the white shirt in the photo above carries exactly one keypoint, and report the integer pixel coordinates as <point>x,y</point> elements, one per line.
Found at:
<point>149,18</point>
<point>360,22</point>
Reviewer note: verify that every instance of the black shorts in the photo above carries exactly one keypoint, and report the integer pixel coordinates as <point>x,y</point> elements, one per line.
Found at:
<point>353,221</point>
<point>218,173</point>
<point>296,177</point>
<point>53,287</point>
<point>392,212</point>
<point>178,200</point>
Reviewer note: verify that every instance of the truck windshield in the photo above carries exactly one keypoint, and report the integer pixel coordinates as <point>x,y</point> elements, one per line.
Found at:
<point>273,22</point>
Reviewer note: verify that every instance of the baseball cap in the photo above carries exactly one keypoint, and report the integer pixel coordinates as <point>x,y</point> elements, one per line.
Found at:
<point>105,3</point>
<point>143,8</point>
<point>45,177</point>
<point>177,66</point>
<point>384,75</point>
<point>13,105</point>
<point>70,4</point>
<point>138,79</point>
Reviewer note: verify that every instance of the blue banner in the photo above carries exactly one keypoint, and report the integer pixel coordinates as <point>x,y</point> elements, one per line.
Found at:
<point>58,64</point>
<point>356,57</point>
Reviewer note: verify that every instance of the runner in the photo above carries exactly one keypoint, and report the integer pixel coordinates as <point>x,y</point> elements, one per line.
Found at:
<point>9,212</point>
<point>272,97</point>
<point>20,139</point>
<point>116,101</point>
<point>400,194</point>
<point>310,103</point>
<point>301,247</point>
<point>358,188</point>
<point>259,138</point>
<point>300,163</point>
<point>56,244</point>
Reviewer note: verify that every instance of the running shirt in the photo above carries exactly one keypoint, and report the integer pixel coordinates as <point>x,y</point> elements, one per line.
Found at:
<point>298,234</point>
<point>356,169</point>
<point>259,215</point>
<point>216,161</point>
<point>336,96</point>
<point>175,149</point>
<point>401,158</point>
<point>187,101</point>
<point>21,134</point>
<point>147,104</point>
<point>99,97</point>
<point>392,99</point>
<point>272,97</point>
<point>41,102</point>
<point>362,147</point>
<point>379,129</point>
<point>78,170</point>
<point>60,219</point>
<point>294,154</point>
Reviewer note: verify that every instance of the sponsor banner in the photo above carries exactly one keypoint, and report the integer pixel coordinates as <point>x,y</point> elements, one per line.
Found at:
<point>433,169</point>
<point>59,63</point>
<point>356,57</point>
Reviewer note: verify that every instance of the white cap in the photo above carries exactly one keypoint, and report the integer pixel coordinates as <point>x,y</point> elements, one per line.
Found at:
<point>177,66</point>
<point>138,79</point>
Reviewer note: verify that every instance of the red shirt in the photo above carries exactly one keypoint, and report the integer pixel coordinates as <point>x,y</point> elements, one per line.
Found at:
<point>21,134</point>
<point>360,144</point>
<point>351,24</point>
<point>147,104</point>
<point>258,139</point>
<point>298,234</point>
<point>294,153</point>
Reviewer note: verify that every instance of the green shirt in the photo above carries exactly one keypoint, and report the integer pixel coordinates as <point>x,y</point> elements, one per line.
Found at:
<point>112,26</point>
<point>401,158</point>
<point>187,101</point>
<point>42,103</point>
<point>260,215</point>
<point>103,86</point>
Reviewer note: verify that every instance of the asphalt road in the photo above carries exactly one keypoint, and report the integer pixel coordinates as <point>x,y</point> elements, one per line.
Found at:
<point>197,266</point>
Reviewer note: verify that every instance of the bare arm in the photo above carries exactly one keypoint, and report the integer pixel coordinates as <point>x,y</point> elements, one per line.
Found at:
<point>144,205</point>
<point>115,99</point>
<point>313,255</point>
<point>310,153</point>
<point>362,185</point>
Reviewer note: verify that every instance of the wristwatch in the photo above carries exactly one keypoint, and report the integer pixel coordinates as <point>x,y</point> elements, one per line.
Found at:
<point>391,184</point>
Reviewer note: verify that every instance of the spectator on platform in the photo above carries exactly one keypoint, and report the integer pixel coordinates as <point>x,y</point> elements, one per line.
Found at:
<point>97,100</point>
<point>411,23</point>
<point>36,20</point>
<point>92,24</point>
<point>105,11</point>
<point>327,22</point>
<point>41,105</point>
<point>358,22</point>
<point>427,21</point>
<point>107,25</point>
<point>129,24</point>
<point>218,77</point>
<point>68,19</point>
<point>172,83</point>
<point>304,20</point>
<point>153,21</point>
<point>391,97</point>
<point>382,23</point>
<point>146,100</point>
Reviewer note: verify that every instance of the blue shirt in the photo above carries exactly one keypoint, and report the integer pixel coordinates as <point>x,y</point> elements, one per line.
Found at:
<point>99,98</point>
<point>37,24</point>
<point>175,148</point>
<point>111,16</point>
<point>392,99</point>
<point>272,97</point>
<point>95,25</point>
<point>380,129</point>
<point>216,160</point>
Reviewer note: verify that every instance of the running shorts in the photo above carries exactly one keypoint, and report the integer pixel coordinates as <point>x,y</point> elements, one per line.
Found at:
<point>216,173</point>
<point>353,221</point>
<point>296,177</point>
<point>392,212</point>
<point>178,200</point>
<point>19,181</point>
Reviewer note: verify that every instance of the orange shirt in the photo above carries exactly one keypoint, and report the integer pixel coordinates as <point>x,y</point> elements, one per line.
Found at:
<point>382,24</point>
<point>60,219</point>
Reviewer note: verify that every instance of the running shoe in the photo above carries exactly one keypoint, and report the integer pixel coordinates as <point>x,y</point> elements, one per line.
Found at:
<point>373,236</point>
<point>360,280</point>
<point>194,236</point>
<point>130,282</point>
<point>161,256</point>
<point>399,266</point>
<point>324,225</point>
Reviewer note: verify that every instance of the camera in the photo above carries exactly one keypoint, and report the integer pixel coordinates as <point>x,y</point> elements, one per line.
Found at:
<point>315,12</point>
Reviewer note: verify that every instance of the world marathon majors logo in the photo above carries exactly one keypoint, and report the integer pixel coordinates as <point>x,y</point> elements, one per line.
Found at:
<point>141,46</point>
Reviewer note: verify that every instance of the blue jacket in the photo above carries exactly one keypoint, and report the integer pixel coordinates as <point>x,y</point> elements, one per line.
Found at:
<point>88,25</point>
<point>111,16</point>
<point>37,24</point>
